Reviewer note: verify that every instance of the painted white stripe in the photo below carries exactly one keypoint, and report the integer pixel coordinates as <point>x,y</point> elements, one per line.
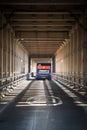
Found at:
<point>50,91</point>
<point>37,96</point>
<point>77,100</point>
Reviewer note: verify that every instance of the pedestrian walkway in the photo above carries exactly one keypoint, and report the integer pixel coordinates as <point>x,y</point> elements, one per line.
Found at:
<point>12,95</point>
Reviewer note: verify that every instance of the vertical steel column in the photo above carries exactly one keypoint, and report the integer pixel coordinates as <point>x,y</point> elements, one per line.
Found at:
<point>68,56</point>
<point>53,61</point>
<point>7,50</point>
<point>84,54</point>
<point>4,52</point>
<point>11,73</point>
<point>63,58</point>
<point>29,64</point>
<point>73,53</point>
<point>79,42</point>
<point>1,32</point>
<point>79,35</point>
<point>70,70</point>
<point>1,53</point>
<point>9,53</point>
<point>14,42</point>
<point>1,48</point>
<point>72,59</point>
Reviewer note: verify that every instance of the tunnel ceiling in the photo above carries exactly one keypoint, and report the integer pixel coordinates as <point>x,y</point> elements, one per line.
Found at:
<point>42,25</point>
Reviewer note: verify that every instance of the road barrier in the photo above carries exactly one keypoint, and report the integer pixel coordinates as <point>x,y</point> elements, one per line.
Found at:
<point>73,81</point>
<point>8,84</point>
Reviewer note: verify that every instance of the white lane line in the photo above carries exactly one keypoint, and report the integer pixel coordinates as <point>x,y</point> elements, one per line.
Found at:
<point>77,100</point>
<point>40,103</point>
<point>50,91</point>
<point>37,96</point>
<point>55,100</point>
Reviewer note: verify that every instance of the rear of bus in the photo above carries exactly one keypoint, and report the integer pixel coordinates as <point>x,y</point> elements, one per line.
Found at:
<point>43,71</point>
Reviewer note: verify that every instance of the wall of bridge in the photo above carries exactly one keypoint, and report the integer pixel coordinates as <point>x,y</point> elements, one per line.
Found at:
<point>71,58</point>
<point>13,57</point>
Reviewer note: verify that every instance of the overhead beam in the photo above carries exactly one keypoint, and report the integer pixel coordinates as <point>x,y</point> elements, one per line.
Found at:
<point>22,30</point>
<point>41,24</point>
<point>34,42</point>
<point>41,55</point>
<point>78,2</point>
<point>42,16</point>
<point>41,39</point>
<point>43,13</point>
<point>41,34</point>
<point>43,20</point>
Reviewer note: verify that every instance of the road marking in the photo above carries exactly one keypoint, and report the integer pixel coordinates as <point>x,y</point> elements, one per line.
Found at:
<point>37,96</point>
<point>38,101</point>
<point>77,100</point>
<point>51,92</point>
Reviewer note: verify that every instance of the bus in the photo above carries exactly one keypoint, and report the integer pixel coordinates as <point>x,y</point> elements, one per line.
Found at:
<point>43,71</point>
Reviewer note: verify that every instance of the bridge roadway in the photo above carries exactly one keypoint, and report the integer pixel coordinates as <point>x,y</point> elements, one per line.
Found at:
<point>45,105</point>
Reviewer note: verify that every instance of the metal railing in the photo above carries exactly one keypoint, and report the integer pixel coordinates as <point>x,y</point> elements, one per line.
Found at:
<point>10,83</point>
<point>72,81</point>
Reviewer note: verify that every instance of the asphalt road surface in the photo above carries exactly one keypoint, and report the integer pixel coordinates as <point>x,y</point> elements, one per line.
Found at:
<point>46,105</point>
